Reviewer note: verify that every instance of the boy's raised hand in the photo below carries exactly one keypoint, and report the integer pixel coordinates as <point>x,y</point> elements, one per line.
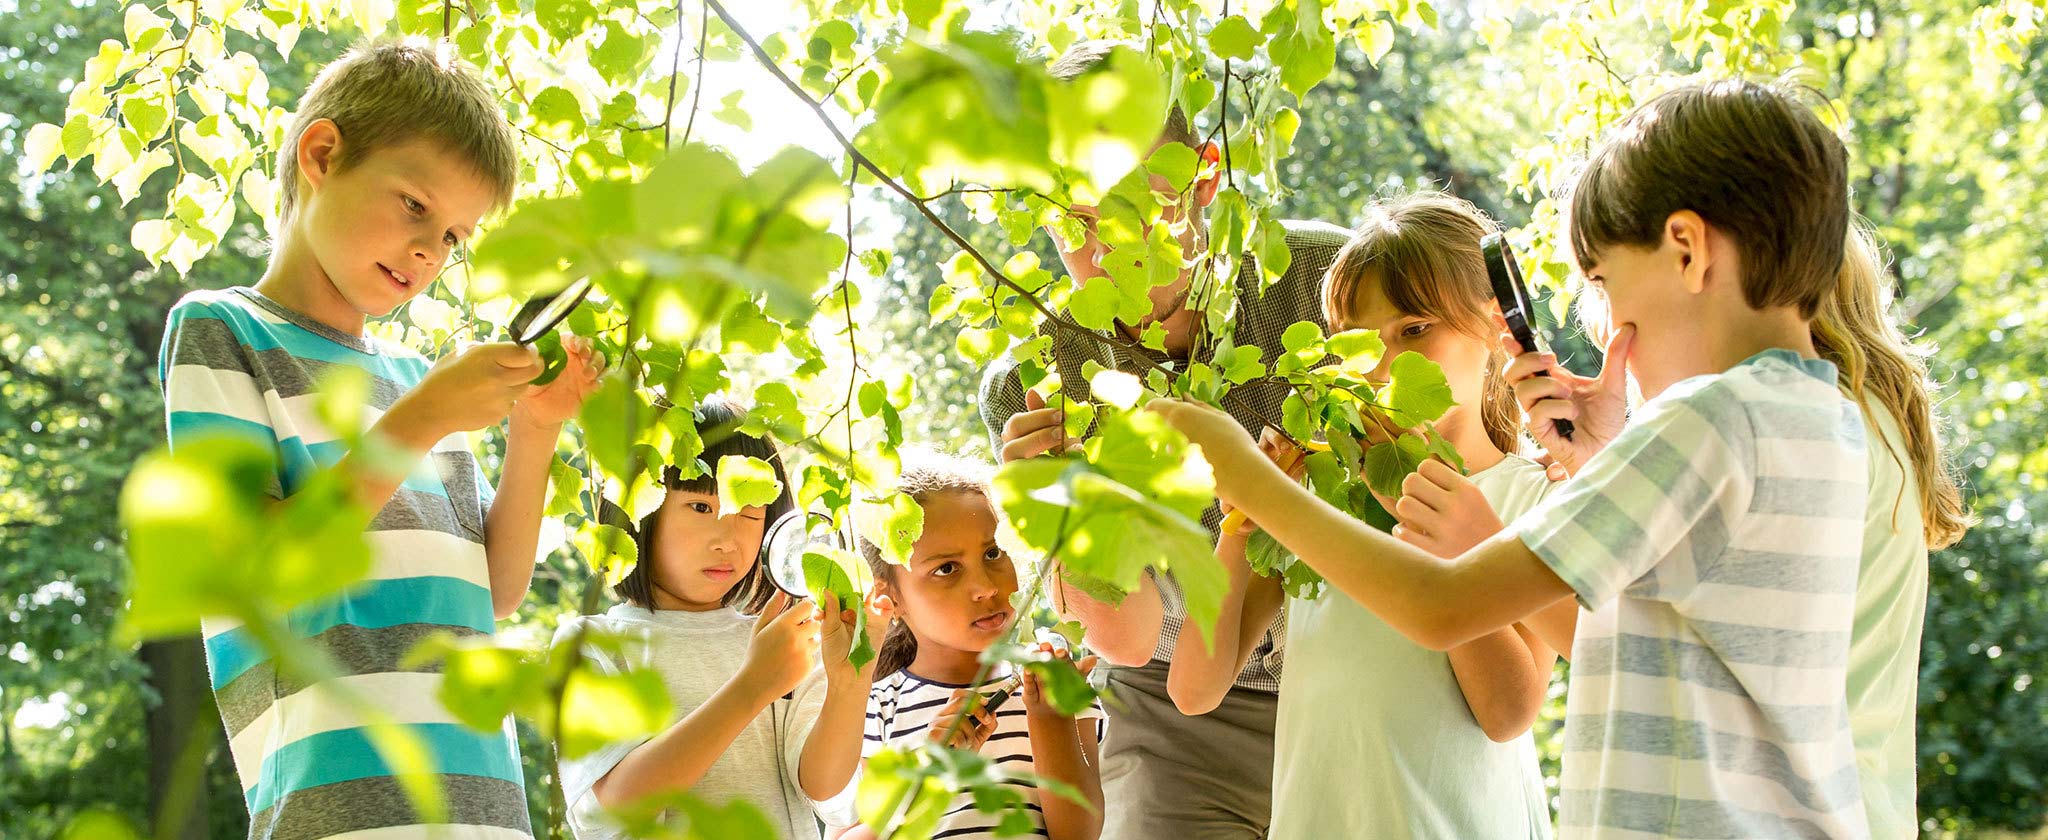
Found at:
<point>554,403</point>
<point>464,391</point>
<point>1035,430</point>
<point>1597,406</point>
<point>784,647</point>
<point>1443,512</point>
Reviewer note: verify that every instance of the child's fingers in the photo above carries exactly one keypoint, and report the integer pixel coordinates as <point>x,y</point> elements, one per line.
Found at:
<point>1614,370</point>
<point>1410,509</point>
<point>1526,365</point>
<point>1425,491</point>
<point>1086,665</point>
<point>1033,443</point>
<point>1550,411</point>
<point>1529,392</point>
<point>769,611</point>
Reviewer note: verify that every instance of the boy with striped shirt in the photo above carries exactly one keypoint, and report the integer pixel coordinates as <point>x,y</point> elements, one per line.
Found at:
<point>1713,542</point>
<point>393,158</point>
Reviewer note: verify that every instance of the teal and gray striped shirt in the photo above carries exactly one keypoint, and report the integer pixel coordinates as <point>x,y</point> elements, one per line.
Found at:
<point>237,363</point>
<point>1714,546</point>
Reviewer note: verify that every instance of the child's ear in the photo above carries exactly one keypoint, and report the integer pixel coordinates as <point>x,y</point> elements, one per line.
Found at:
<point>1686,233</point>
<point>319,149</point>
<point>1205,188</point>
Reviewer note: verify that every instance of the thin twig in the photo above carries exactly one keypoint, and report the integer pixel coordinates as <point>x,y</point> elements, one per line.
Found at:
<point>696,81</point>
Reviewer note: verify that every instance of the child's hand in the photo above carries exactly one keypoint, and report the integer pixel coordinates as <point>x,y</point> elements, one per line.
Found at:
<point>1223,441</point>
<point>463,392</point>
<point>554,403</point>
<point>1036,706</point>
<point>1597,406</point>
<point>1285,455</point>
<point>836,636</point>
<point>1036,430</point>
<point>980,724</point>
<point>1442,512</point>
<point>784,647</point>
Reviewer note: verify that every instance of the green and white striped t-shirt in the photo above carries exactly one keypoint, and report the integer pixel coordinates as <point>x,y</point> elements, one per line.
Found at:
<point>1715,544</point>
<point>237,363</point>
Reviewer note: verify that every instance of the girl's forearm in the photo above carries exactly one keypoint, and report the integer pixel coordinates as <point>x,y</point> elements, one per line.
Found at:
<point>1200,674</point>
<point>832,749</point>
<point>512,529</point>
<point>1504,676</point>
<point>1057,753</point>
<point>678,758</point>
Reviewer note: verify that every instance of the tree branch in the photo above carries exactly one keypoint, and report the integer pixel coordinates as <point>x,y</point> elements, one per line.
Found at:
<point>1058,321</point>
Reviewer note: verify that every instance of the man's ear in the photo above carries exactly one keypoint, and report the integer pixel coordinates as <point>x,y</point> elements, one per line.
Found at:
<point>1205,188</point>
<point>1685,233</point>
<point>319,151</point>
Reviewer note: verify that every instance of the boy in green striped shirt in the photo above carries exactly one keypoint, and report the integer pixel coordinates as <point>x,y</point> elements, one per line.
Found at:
<point>394,156</point>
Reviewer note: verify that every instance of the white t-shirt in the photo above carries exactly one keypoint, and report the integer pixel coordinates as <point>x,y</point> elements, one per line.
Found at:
<point>903,706</point>
<point>1374,736</point>
<point>1884,652</point>
<point>697,653</point>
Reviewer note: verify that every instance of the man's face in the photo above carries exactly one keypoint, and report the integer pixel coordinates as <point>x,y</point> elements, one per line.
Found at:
<point>382,228</point>
<point>1084,261</point>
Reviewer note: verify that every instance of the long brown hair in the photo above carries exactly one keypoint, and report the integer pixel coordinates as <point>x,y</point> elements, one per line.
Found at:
<point>1879,364</point>
<point>717,420</point>
<point>926,475</point>
<point>1423,250</point>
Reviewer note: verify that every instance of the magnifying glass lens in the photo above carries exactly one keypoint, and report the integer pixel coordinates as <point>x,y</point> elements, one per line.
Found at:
<point>542,314</point>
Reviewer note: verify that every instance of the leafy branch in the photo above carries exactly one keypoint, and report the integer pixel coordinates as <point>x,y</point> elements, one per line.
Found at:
<point>1058,320</point>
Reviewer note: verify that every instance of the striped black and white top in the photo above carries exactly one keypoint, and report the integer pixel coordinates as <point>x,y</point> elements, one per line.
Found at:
<point>903,707</point>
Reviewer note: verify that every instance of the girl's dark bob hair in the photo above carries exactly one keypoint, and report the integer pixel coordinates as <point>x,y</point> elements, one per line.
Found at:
<point>718,421</point>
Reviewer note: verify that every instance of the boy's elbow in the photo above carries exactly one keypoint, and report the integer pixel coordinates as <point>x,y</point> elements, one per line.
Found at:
<point>505,606</point>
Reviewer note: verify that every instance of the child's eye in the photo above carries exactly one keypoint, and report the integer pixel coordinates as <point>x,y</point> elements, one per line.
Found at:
<point>1415,330</point>
<point>412,206</point>
<point>993,554</point>
<point>945,569</point>
<point>699,507</point>
<point>453,242</point>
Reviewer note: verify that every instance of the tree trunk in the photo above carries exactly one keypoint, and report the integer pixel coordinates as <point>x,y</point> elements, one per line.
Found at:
<point>177,673</point>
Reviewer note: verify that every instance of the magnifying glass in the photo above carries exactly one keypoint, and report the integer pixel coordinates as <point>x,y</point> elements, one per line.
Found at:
<point>788,540</point>
<point>1508,288</point>
<point>540,315</point>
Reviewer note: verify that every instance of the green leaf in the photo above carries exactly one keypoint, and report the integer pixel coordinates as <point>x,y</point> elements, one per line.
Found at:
<point>745,481</point>
<point>77,137</point>
<point>600,709</point>
<point>902,524</point>
<point>1234,38</point>
<point>42,146</point>
<point>481,682</point>
<point>1417,391</point>
<point>565,489</point>
<point>619,58</point>
<point>146,117</point>
<point>1386,464</point>
<point>1176,162</point>
<point>206,538</point>
<point>845,576</point>
<point>1063,685</point>
<point>1356,350</point>
<point>1301,335</point>
<point>558,107</point>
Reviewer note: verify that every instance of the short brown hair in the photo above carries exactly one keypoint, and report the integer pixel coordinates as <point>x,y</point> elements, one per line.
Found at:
<point>1423,250</point>
<point>1751,159</point>
<point>396,91</point>
<point>1086,57</point>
